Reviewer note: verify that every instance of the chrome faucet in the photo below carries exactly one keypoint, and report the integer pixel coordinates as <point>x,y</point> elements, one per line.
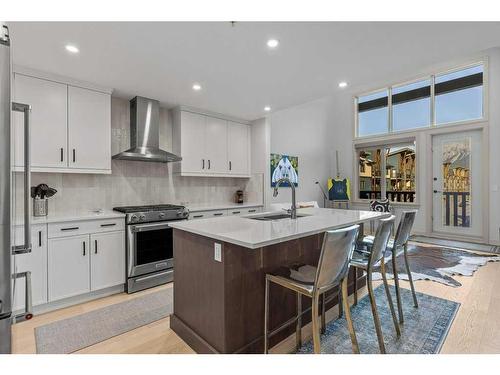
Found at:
<point>293,209</point>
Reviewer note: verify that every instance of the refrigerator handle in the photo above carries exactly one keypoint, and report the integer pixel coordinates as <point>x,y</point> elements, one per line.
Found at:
<point>26,109</point>
<point>28,302</point>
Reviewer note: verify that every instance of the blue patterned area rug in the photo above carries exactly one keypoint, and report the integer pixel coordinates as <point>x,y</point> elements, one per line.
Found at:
<point>423,332</point>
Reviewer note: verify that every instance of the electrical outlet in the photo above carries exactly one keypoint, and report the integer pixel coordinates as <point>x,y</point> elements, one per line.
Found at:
<point>218,252</point>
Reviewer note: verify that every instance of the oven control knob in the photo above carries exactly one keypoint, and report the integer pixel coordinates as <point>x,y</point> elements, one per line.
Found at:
<point>161,215</point>
<point>133,218</point>
<point>142,217</point>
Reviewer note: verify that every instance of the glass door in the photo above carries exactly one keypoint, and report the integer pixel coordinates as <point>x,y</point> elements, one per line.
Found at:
<point>457,183</point>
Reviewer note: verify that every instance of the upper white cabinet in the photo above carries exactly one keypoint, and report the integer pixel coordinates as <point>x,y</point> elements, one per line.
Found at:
<point>49,104</point>
<point>70,125</point>
<point>216,145</point>
<point>238,148</point>
<point>210,146</point>
<point>89,130</point>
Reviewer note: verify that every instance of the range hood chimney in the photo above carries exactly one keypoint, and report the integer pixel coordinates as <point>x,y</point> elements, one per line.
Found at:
<point>145,133</point>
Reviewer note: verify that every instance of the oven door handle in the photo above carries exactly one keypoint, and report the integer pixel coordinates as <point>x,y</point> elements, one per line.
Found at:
<point>148,227</point>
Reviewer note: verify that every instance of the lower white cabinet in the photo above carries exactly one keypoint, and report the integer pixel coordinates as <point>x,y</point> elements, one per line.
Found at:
<point>82,261</point>
<point>35,262</point>
<point>107,260</point>
<point>68,267</point>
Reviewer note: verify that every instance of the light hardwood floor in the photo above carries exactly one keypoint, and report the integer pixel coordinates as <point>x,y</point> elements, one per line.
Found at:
<point>476,328</point>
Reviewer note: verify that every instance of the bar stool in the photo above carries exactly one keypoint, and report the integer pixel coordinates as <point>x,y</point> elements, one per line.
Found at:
<point>396,246</point>
<point>312,282</point>
<point>367,260</point>
<point>379,205</point>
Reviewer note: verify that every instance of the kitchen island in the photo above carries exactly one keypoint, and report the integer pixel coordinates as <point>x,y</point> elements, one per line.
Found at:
<point>220,266</point>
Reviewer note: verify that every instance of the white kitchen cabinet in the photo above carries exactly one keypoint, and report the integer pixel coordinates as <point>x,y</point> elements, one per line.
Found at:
<point>89,131</point>
<point>216,145</point>
<point>210,146</point>
<point>107,261</point>
<point>192,141</point>
<point>68,267</point>
<point>35,262</point>
<point>48,102</point>
<point>238,148</point>
<point>70,124</point>
<point>207,214</point>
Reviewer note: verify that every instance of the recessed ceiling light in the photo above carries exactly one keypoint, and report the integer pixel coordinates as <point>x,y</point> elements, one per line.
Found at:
<point>196,87</point>
<point>71,48</point>
<point>273,43</point>
<point>267,108</point>
<point>343,85</point>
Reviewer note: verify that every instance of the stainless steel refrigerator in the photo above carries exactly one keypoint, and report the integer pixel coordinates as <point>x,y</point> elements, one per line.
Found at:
<point>7,196</point>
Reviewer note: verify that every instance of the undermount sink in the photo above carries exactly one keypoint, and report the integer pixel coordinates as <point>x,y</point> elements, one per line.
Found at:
<point>270,217</point>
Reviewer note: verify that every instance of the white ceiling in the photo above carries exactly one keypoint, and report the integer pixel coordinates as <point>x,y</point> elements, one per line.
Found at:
<point>237,71</point>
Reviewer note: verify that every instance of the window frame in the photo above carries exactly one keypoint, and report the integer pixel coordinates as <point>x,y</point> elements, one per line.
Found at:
<point>433,125</point>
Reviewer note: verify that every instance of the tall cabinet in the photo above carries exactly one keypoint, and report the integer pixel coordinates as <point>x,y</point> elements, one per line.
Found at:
<point>70,124</point>
<point>210,145</point>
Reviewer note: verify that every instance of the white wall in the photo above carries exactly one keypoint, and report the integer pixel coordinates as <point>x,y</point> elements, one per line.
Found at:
<point>304,131</point>
<point>313,131</point>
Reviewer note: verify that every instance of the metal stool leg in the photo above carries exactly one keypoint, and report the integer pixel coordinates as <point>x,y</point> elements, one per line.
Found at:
<point>266,316</point>
<point>323,318</point>
<point>376,319</point>
<point>315,328</point>
<point>355,286</point>
<point>340,302</point>
<point>396,285</point>
<point>389,299</point>
<point>350,326</point>
<point>298,328</point>
<point>410,278</point>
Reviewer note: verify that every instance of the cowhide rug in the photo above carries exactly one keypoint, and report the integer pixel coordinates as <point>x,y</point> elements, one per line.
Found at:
<point>437,264</point>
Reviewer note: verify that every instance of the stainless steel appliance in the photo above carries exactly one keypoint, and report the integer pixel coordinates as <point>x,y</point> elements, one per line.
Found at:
<point>7,198</point>
<point>145,133</point>
<point>150,248</point>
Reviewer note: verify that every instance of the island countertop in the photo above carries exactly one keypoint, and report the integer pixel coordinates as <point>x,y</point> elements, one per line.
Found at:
<point>253,234</point>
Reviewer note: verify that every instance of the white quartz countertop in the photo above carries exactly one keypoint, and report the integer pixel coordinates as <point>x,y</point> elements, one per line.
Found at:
<point>246,232</point>
<point>71,216</point>
<point>223,206</point>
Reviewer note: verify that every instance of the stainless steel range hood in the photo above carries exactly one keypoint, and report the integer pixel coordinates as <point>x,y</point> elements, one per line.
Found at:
<point>145,133</point>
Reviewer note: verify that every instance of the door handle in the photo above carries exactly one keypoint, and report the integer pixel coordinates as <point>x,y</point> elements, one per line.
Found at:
<point>95,247</point>
<point>39,238</point>
<point>26,110</point>
<point>74,156</point>
<point>437,191</point>
<point>62,154</point>
<point>84,252</point>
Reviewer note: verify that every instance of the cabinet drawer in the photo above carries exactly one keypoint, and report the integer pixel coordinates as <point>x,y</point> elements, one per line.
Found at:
<point>207,214</point>
<point>74,228</point>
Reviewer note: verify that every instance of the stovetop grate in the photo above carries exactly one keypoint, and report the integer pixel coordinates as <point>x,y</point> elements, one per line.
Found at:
<point>146,208</point>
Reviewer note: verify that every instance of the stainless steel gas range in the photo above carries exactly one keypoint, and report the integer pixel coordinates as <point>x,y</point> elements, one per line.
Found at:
<point>150,244</point>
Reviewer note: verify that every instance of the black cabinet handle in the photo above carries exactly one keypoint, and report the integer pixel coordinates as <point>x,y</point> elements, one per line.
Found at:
<point>62,154</point>
<point>208,163</point>
<point>108,225</point>
<point>218,214</point>
<point>197,216</point>
<point>74,155</point>
<point>39,238</point>
<point>71,228</point>
<point>230,165</point>
<point>203,163</point>
<point>95,250</point>
<point>236,212</point>
<point>252,210</point>
<point>84,253</point>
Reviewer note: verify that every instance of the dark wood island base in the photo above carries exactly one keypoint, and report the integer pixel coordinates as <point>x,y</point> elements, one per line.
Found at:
<point>219,305</point>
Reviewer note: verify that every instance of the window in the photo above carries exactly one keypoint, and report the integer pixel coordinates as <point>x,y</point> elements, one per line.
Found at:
<point>397,181</point>
<point>373,113</point>
<point>411,106</point>
<point>441,99</point>
<point>459,95</point>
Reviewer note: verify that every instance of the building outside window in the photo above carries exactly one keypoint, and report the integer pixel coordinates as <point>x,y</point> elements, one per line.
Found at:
<point>387,171</point>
